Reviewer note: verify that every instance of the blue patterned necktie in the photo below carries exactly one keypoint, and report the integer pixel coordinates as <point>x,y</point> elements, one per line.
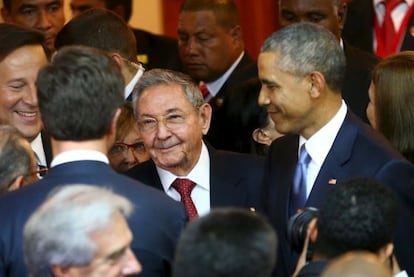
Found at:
<point>298,191</point>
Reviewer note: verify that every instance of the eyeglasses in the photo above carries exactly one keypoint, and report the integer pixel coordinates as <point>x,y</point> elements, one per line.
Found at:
<point>121,148</point>
<point>171,122</point>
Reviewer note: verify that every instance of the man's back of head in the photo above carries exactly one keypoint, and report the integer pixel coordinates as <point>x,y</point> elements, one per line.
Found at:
<point>79,94</point>
<point>102,29</point>
<point>80,229</point>
<point>357,214</point>
<point>226,243</point>
<point>17,161</point>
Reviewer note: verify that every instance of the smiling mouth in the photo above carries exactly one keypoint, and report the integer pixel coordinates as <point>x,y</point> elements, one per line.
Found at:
<point>27,114</point>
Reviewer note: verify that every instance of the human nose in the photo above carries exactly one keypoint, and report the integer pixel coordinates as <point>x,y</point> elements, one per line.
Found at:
<point>163,131</point>
<point>263,99</point>
<point>30,96</point>
<point>191,46</point>
<point>44,21</point>
<point>130,264</point>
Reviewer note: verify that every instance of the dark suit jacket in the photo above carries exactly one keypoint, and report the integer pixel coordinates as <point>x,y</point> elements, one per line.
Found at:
<point>245,70</point>
<point>359,26</point>
<point>359,65</point>
<point>155,223</point>
<point>160,51</point>
<point>313,269</point>
<point>234,179</point>
<point>357,151</point>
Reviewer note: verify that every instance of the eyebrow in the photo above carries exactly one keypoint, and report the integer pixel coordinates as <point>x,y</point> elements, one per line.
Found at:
<point>117,253</point>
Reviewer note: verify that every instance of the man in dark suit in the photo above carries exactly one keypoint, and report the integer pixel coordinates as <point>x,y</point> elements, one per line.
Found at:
<point>172,118</point>
<point>80,94</point>
<point>24,49</point>
<point>331,14</point>
<point>154,51</point>
<point>211,47</point>
<point>360,21</point>
<point>302,93</point>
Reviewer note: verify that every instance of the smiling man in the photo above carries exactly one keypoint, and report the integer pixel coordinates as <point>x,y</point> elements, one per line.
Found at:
<point>302,67</point>
<point>46,16</point>
<point>172,119</point>
<point>21,57</point>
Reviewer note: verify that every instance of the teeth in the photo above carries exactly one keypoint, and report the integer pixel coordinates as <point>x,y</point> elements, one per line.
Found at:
<point>27,114</point>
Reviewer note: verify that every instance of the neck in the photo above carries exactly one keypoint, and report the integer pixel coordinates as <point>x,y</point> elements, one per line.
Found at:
<point>59,146</point>
<point>325,111</point>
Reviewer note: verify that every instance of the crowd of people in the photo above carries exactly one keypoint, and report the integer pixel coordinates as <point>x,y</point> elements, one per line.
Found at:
<point>123,152</point>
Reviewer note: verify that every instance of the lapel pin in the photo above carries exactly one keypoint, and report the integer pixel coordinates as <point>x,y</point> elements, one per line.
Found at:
<point>332,182</point>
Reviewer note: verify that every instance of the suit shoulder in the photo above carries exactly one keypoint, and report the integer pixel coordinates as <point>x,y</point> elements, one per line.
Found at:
<point>360,58</point>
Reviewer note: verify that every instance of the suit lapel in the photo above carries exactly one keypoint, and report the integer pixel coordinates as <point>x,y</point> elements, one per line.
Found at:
<point>332,168</point>
<point>225,183</point>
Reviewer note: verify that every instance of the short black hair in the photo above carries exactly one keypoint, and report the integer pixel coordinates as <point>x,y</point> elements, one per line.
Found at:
<point>226,243</point>
<point>102,29</point>
<point>357,214</point>
<point>79,93</point>
<point>225,10</point>
<point>13,37</point>
<point>126,4</point>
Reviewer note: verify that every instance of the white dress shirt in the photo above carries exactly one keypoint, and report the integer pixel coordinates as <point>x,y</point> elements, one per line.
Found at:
<point>397,14</point>
<point>79,155</point>
<point>215,86</point>
<point>37,147</point>
<point>130,87</point>
<point>200,175</point>
<point>319,145</point>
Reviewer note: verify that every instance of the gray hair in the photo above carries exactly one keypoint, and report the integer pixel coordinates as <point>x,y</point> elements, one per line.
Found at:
<point>15,159</point>
<point>57,233</point>
<point>162,77</point>
<point>306,47</point>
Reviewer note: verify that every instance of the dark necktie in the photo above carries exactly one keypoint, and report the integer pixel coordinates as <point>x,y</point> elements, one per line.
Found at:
<point>298,191</point>
<point>389,34</point>
<point>184,188</point>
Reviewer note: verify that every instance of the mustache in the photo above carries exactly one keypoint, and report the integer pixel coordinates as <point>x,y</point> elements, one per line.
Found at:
<point>164,144</point>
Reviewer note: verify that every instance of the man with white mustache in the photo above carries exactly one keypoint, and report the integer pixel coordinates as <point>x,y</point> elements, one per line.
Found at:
<point>173,118</point>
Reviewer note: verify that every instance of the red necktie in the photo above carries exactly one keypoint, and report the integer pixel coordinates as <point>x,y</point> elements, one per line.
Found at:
<point>389,33</point>
<point>184,188</point>
<point>204,90</point>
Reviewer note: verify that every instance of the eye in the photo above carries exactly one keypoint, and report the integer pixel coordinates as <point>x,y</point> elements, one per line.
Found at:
<point>116,149</point>
<point>139,147</point>
<point>175,118</point>
<point>54,8</point>
<point>316,18</point>
<point>17,86</point>
<point>28,11</point>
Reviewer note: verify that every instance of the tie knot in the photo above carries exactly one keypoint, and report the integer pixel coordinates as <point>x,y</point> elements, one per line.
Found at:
<point>204,90</point>
<point>391,4</point>
<point>304,157</point>
<point>183,186</point>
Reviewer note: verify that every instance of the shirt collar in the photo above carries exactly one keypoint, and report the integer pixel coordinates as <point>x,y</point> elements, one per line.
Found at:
<point>200,174</point>
<point>79,155</point>
<point>215,86</point>
<point>321,142</point>
<point>130,87</point>
<point>37,147</point>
